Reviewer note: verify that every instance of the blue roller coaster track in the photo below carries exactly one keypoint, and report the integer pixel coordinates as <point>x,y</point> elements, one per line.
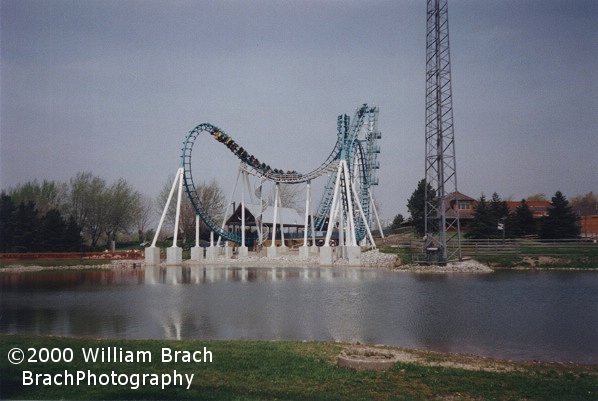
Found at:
<point>360,153</point>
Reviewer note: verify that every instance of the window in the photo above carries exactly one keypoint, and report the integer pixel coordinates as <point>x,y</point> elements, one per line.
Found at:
<point>464,205</point>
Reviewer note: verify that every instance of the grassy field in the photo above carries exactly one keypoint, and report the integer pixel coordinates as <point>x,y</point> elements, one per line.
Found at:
<point>250,370</point>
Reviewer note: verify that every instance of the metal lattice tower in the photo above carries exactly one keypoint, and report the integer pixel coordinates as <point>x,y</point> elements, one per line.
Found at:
<point>441,222</point>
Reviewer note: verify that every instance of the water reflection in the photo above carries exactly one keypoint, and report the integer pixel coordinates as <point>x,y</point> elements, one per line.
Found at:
<point>551,316</point>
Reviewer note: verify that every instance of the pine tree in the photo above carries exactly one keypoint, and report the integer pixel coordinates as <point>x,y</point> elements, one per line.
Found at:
<point>500,211</point>
<point>52,232</point>
<point>417,205</point>
<point>521,222</point>
<point>483,224</point>
<point>7,223</point>
<point>26,224</point>
<point>73,241</point>
<point>561,222</point>
<point>397,221</point>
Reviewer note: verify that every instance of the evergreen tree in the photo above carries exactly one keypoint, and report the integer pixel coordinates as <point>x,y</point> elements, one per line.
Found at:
<point>521,222</point>
<point>52,232</point>
<point>417,205</point>
<point>26,223</point>
<point>73,241</point>
<point>561,222</point>
<point>397,221</point>
<point>484,223</point>
<point>7,222</point>
<point>499,208</point>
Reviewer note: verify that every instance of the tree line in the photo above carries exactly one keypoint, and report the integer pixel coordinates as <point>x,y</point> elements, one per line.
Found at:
<point>493,218</point>
<point>84,213</point>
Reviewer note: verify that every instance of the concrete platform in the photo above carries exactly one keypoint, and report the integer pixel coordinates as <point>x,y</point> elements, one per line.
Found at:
<point>304,252</point>
<point>197,253</point>
<point>174,255</point>
<point>326,255</point>
<point>271,252</point>
<point>243,251</point>
<point>353,255</point>
<point>211,252</point>
<point>152,255</point>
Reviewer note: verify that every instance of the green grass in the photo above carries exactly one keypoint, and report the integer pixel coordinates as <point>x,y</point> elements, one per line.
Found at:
<point>405,253</point>
<point>252,370</point>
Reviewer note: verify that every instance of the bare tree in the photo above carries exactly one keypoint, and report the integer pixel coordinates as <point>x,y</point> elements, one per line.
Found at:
<point>212,200</point>
<point>290,196</point>
<point>120,200</point>
<point>88,203</point>
<point>142,214</point>
<point>585,205</point>
<point>46,196</point>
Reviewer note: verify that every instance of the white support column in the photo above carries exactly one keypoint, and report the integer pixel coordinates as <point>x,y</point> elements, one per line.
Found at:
<point>178,208</point>
<point>376,212</point>
<point>272,248</point>
<point>211,250</point>
<point>305,226</point>
<point>230,201</point>
<point>332,215</point>
<point>326,251</point>
<point>165,209</point>
<point>174,254</point>
<point>152,253</point>
<point>304,250</point>
<point>243,250</point>
<point>196,251</point>
<point>351,220</point>
<point>282,248</point>
<point>197,230</point>
<point>367,226</point>
<point>314,247</point>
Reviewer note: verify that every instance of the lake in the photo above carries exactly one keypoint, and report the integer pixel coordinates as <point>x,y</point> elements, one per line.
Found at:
<point>522,315</point>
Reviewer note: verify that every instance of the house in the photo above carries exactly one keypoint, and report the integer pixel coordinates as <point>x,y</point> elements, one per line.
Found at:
<point>460,203</point>
<point>539,209</point>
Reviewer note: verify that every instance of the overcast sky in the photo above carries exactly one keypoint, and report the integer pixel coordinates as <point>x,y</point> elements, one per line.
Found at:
<point>112,87</point>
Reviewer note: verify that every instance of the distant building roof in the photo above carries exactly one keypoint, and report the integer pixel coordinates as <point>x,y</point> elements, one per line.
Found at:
<point>538,208</point>
<point>458,196</point>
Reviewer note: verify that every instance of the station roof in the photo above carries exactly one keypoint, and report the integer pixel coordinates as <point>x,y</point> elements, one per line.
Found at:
<point>288,216</point>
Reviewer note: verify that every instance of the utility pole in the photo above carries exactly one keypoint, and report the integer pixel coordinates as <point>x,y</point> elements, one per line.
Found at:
<point>442,241</point>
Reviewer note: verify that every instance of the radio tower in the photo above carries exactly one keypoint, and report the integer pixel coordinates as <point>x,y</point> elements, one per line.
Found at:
<point>442,242</point>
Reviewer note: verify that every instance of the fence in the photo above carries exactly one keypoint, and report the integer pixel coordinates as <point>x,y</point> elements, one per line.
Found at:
<point>61,256</point>
<point>519,247</point>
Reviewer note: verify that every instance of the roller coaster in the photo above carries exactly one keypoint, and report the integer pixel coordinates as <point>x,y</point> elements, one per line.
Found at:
<point>356,144</point>
<point>346,205</point>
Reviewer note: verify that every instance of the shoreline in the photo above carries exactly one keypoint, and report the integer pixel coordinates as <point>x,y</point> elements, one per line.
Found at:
<point>421,356</point>
<point>466,266</point>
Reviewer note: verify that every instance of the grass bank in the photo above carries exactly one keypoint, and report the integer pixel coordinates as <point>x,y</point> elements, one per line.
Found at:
<point>251,370</point>
<point>549,257</point>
